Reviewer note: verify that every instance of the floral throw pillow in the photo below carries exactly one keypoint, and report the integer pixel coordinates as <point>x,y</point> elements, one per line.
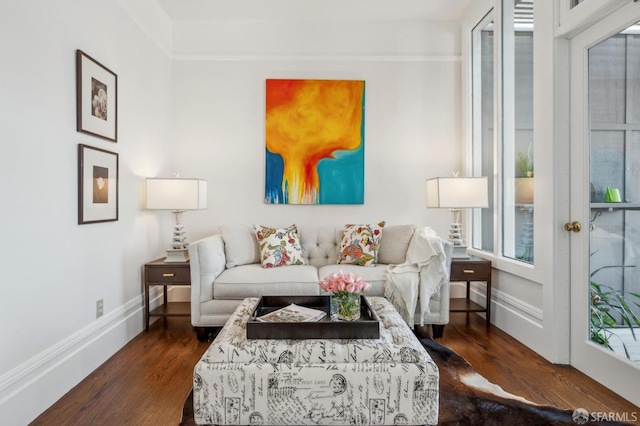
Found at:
<point>360,244</point>
<point>279,246</point>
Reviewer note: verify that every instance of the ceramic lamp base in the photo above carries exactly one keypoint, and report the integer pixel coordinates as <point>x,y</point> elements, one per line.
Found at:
<point>177,255</point>
<point>460,252</point>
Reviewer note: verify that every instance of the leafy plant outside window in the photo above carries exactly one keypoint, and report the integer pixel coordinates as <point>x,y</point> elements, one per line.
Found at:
<point>525,163</point>
<point>607,304</point>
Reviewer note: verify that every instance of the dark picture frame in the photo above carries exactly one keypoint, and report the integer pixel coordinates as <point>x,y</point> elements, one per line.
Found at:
<point>96,98</point>
<point>98,183</point>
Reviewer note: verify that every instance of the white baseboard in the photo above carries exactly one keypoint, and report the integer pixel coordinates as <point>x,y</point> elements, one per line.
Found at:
<point>32,387</point>
<point>517,318</point>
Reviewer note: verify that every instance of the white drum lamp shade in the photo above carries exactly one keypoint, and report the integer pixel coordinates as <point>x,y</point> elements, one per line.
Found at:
<point>177,195</point>
<point>457,193</point>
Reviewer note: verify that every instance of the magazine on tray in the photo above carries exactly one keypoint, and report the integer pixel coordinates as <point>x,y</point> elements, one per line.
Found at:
<point>293,313</point>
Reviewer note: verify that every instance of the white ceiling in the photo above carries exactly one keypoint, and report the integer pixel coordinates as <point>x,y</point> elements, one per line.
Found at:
<point>449,10</point>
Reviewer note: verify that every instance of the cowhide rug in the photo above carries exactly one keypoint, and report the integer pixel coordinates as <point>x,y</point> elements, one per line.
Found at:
<point>467,398</point>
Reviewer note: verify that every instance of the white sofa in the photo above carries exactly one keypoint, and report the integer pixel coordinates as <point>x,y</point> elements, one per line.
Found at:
<point>226,269</point>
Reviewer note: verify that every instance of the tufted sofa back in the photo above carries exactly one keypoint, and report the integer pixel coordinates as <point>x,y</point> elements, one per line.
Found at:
<point>320,244</point>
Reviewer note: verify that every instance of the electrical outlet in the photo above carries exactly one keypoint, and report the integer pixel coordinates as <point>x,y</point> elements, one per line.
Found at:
<point>99,308</point>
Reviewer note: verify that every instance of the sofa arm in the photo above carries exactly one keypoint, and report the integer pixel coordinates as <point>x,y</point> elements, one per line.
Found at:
<point>446,287</point>
<point>439,315</point>
<point>443,310</point>
<point>207,260</point>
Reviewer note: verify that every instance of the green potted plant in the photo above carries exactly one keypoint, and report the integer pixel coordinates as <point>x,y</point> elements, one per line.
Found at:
<point>607,304</point>
<point>524,183</point>
<point>525,163</point>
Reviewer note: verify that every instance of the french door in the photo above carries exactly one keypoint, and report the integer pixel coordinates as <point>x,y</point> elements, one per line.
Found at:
<point>605,164</point>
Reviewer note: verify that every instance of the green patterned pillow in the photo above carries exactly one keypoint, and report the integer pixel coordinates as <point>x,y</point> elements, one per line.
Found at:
<point>360,244</point>
<point>279,246</point>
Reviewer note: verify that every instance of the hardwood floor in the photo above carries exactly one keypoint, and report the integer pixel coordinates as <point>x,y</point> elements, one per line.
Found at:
<point>147,381</point>
<point>517,369</point>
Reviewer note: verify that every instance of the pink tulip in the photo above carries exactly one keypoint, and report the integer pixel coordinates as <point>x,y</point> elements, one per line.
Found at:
<point>341,282</point>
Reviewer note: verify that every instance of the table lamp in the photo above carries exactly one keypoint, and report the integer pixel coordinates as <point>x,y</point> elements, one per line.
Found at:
<point>178,195</point>
<point>456,194</point>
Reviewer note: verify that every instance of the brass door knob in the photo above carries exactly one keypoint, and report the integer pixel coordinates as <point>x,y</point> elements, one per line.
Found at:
<point>574,226</point>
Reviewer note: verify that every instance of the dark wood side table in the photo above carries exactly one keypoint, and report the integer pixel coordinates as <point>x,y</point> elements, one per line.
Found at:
<point>166,274</point>
<point>467,270</point>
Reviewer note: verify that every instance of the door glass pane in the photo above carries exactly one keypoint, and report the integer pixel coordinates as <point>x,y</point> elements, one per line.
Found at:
<point>614,174</point>
<point>574,3</point>
<point>517,147</point>
<point>483,126</point>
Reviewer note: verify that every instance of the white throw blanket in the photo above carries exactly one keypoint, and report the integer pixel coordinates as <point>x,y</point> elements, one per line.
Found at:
<point>421,275</point>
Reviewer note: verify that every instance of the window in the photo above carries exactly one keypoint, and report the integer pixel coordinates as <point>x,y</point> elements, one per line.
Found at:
<point>483,126</point>
<point>505,153</point>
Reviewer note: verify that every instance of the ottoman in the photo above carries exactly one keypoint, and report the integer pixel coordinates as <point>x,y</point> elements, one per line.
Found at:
<point>386,381</point>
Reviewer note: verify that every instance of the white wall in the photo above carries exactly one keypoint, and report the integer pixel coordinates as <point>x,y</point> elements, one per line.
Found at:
<point>201,114</point>
<point>412,114</point>
<point>54,270</point>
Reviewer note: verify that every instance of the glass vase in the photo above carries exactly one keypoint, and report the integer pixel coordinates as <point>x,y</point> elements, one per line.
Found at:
<point>345,306</point>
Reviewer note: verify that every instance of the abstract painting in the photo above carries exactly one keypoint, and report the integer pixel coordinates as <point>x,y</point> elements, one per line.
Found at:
<point>314,141</point>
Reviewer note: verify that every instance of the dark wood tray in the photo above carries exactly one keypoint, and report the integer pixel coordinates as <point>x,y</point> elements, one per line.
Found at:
<point>367,327</point>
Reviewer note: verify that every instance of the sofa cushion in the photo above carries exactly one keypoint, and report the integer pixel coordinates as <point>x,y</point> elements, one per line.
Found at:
<point>254,280</point>
<point>240,245</point>
<point>360,244</point>
<point>279,246</point>
<point>394,244</point>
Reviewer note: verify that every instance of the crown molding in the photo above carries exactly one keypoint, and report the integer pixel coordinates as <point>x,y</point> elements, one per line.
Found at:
<point>315,58</point>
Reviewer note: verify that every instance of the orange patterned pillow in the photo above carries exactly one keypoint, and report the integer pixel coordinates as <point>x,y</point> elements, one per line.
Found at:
<point>360,244</point>
<point>279,246</point>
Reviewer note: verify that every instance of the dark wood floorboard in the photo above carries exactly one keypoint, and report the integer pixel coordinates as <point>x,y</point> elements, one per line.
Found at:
<point>147,381</point>
<point>517,369</point>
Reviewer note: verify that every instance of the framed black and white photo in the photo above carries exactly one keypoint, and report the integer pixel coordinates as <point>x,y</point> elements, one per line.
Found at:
<point>97,98</point>
<point>97,185</point>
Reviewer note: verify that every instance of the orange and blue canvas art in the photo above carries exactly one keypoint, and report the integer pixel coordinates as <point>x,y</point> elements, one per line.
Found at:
<point>314,141</point>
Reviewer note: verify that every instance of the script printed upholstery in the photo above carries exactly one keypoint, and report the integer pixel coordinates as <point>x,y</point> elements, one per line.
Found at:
<point>386,381</point>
